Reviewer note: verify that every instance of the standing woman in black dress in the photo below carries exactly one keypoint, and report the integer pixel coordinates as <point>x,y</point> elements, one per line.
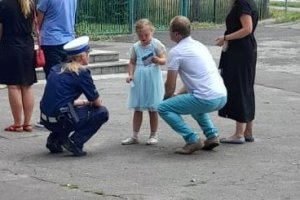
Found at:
<point>17,60</point>
<point>238,66</point>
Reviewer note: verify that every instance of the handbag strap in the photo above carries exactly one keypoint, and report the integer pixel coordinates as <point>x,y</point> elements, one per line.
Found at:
<point>37,31</point>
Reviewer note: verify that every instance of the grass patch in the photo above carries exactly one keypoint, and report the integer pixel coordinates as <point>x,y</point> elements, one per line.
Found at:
<point>84,28</point>
<point>282,16</point>
<point>92,30</point>
<point>203,25</point>
<point>283,4</point>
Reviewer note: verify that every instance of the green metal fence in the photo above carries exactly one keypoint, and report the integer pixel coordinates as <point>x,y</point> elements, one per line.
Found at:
<point>110,17</point>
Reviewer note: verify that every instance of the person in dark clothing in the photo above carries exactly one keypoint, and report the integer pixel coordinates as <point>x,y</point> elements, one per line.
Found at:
<point>56,20</point>
<point>62,112</point>
<point>238,67</point>
<point>17,60</point>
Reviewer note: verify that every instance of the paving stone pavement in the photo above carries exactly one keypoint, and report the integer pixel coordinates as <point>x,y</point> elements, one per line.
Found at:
<point>268,169</point>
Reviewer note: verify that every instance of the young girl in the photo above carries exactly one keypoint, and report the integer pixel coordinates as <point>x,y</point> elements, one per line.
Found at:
<point>145,78</point>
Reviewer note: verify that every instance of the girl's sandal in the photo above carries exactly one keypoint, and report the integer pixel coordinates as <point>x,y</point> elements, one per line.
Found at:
<point>27,127</point>
<point>14,128</point>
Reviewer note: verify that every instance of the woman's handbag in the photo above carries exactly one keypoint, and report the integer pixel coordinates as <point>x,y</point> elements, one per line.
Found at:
<point>39,56</point>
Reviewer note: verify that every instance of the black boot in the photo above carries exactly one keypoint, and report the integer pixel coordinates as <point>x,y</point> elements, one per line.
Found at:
<point>72,147</point>
<point>53,144</point>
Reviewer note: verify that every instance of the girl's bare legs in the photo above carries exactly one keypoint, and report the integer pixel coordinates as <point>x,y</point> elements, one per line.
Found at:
<point>15,101</point>
<point>137,122</point>
<point>153,123</point>
<point>28,103</point>
<point>153,139</point>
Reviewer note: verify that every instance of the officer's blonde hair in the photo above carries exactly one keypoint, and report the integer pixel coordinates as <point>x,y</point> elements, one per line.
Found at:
<point>73,65</point>
<point>26,6</point>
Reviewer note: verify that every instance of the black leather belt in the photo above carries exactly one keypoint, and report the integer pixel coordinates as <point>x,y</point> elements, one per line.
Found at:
<point>48,119</point>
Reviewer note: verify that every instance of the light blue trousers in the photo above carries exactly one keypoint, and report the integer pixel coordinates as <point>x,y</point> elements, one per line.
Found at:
<point>187,104</point>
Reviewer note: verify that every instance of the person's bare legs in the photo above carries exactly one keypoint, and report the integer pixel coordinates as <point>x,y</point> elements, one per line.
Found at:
<point>248,130</point>
<point>15,101</point>
<point>238,136</point>
<point>137,122</point>
<point>136,125</point>
<point>239,129</point>
<point>153,139</point>
<point>153,123</point>
<point>28,103</point>
<point>243,132</point>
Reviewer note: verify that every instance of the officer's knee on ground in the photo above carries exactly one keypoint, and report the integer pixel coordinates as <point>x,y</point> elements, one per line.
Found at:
<point>102,114</point>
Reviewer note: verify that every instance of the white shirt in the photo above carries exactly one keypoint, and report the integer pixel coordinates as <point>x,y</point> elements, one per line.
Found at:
<point>197,69</point>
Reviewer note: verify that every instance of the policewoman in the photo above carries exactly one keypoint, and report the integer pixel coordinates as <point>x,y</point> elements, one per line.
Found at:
<point>72,120</point>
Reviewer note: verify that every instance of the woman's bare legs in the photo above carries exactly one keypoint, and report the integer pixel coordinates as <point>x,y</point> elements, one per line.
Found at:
<point>28,103</point>
<point>239,129</point>
<point>248,130</point>
<point>243,129</point>
<point>243,132</point>
<point>15,101</point>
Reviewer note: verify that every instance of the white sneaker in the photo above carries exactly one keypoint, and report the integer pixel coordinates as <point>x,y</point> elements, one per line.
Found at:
<point>152,140</point>
<point>39,124</point>
<point>130,140</point>
<point>3,86</point>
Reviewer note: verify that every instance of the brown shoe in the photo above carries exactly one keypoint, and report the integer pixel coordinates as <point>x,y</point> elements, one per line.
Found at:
<point>210,144</point>
<point>190,148</point>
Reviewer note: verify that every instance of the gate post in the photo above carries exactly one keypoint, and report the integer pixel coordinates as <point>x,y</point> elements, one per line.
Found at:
<point>214,12</point>
<point>183,7</point>
<point>131,16</point>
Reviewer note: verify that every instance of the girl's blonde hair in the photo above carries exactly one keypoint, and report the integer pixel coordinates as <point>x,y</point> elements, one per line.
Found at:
<point>140,24</point>
<point>26,6</point>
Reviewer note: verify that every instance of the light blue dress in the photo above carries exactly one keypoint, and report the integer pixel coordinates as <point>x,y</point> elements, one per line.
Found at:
<point>148,88</point>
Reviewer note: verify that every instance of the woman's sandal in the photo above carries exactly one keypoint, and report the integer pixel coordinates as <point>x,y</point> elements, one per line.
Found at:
<point>14,128</point>
<point>27,128</point>
<point>249,138</point>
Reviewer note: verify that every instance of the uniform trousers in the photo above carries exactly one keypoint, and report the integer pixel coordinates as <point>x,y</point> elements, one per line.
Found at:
<point>90,121</point>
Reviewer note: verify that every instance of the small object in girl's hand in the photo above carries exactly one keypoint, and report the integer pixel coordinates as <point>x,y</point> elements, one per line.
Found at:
<point>131,83</point>
<point>147,60</point>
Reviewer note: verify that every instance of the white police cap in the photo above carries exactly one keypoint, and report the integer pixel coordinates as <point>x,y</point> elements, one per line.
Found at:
<point>77,46</point>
